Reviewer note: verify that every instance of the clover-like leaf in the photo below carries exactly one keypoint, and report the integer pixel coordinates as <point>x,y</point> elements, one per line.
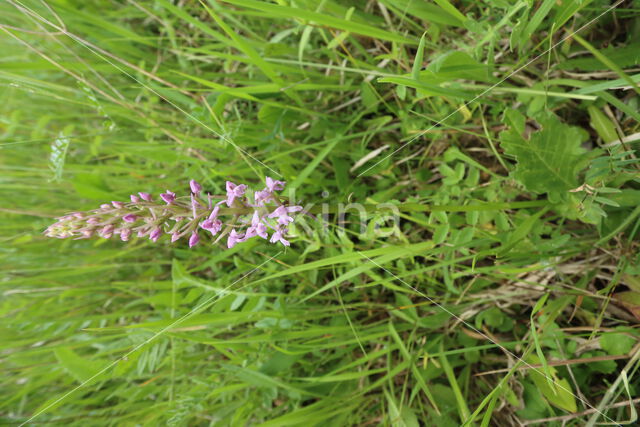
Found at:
<point>549,159</point>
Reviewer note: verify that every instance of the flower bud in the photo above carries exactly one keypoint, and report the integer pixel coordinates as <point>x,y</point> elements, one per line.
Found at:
<point>194,239</point>
<point>168,197</point>
<point>146,196</point>
<point>195,187</point>
<point>125,233</point>
<point>107,231</point>
<point>155,234</point>
<point>118,205</point>
<point>129,218</point>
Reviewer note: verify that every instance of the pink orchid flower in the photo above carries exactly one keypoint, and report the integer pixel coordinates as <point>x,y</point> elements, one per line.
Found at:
<point>234,238</point>
<point>234,191</point>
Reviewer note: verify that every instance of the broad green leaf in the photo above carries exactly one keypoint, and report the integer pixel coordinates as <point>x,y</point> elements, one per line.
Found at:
<point>80,368</point>
<point>92,186</point>
<point>616,343</point>
<point>559,394</point>
<point>400,415</point>
<point>602,124</point>
<point>458,64</point>
<point>548,160</point>
<point>451,9</point>
<point>425,11</point>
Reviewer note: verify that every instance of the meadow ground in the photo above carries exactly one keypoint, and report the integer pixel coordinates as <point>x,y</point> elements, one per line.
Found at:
<point>487,271</point>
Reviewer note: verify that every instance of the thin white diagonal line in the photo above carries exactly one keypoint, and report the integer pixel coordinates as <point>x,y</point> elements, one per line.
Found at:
<point>104,58</point>
<point>156,335</point>
<point>440,306</point>
<point>517,70</point>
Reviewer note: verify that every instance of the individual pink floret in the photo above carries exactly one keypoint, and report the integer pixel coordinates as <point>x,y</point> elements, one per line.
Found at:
<point>261,197</point>
<point>169,197</point>
<point>155,234</point>
<point>194,239</point>
<point>214,226</point>
<point>234,191</point>
<point>273,185</point>
<point>234,238</point>
<point>282,213</point>
<point>125,233</point>
<point>278,236</point>
<point>195,187</point>
<point>257,227</point>
<point>146,197</point>
<point>129,218</point>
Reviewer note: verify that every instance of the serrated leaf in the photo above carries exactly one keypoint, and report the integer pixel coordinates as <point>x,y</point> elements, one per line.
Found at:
<point>548,160</point>
<point>616,343</point>
<point>58,155</point>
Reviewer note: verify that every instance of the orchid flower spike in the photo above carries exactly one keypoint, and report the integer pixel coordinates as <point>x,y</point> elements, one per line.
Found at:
<point>144,217</point>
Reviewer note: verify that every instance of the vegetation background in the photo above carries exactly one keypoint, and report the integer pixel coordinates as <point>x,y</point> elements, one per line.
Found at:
<point>517,301</point>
